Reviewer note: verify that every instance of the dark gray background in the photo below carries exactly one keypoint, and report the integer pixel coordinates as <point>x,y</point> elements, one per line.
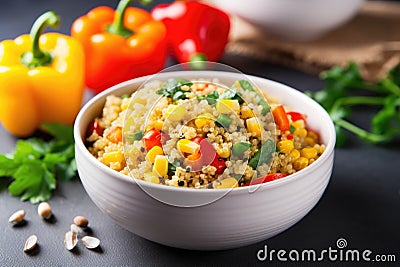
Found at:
<point>361,203</point>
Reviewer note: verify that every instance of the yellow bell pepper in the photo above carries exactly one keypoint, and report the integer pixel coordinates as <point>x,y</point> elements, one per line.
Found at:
<point>41,78</point>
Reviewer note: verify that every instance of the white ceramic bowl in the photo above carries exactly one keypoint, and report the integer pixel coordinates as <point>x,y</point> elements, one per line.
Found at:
<point>240,217</point>
<point>293,19</point>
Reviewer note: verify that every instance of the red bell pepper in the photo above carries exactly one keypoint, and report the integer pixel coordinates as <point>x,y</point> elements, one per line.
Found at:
<point>208,155</point>
<point>268,178</point>
<point>281,118</point>
<point>152,138</point>
<point>120,44</point>
<point>296,116</point>
<point>195,31</point>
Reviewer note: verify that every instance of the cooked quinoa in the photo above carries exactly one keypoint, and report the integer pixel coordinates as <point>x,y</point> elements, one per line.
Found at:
<point>202,134</point>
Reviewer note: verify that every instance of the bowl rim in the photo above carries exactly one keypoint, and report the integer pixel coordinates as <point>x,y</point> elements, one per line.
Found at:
<point>329,146</point>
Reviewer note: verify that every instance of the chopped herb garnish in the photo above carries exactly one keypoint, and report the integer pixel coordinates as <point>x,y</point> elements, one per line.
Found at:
<point>292,128</point>
<point>224,120</point>
<point>263,155</point>
<point>239,148</point>
<point>136,136</point>
<point>211,98</point>
<point>246,85</point>
<point>173,88</point>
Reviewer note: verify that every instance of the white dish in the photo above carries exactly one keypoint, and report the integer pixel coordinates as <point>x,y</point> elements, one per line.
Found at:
<point>240,217</point>
<point>300,20</point>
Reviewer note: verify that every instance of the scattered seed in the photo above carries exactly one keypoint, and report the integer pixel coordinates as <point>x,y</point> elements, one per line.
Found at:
<point>70,240</point>
<point>90,242</point>
<point>17,217</point>
<point>44,210</point>
<point>30,243</point>
<point>74,228</point>
<point>81,221</point>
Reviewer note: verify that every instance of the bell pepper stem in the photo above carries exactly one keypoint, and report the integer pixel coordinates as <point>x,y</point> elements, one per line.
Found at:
<point>38,57</point>
<point>198,61</point>
<point>118,27</point>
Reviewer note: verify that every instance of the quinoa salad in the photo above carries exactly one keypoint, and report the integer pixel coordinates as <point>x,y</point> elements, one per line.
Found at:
<point>202,134</point>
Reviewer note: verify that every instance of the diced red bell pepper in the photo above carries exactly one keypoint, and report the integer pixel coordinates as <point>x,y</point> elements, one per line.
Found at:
<point>296,116</point>
<point>268,178</point>
<point>209,155</point>
<point>218,163</point>
<point>281,118</point>
<point>152,138</point>
<point>95,127</point>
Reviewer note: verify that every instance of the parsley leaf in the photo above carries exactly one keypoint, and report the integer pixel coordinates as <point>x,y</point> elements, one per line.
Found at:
<point>345,88</point>
<point>173,88</point>
<point>35,164</point>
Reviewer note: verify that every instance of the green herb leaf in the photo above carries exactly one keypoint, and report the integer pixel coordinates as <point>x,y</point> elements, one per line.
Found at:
<point>224,120</point>
<point>35,164</point>
<point>263,155</point>
<point>7,166</point>
<point>136,136</point>
<point>388,118</point>
<point>344,88</point>
<point>171,88</point>
<point>211,98</point>
<point>246,85</point>
<point>60,132</point>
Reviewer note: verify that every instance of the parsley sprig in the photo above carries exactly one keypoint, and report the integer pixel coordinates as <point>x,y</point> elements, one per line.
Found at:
<point>345,88</point>
<point>36,164</point>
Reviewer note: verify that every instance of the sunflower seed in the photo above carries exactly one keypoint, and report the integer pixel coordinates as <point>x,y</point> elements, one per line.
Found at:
<point>44,210</point>
<point>90,242</point>
<point>30,243</point>
<point>74,228</point>
<point>81,221</point>
<point>70,240</point>
<point>17,217</point>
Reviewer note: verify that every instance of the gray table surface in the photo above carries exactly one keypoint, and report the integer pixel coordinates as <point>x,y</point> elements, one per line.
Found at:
<point>361,203</point>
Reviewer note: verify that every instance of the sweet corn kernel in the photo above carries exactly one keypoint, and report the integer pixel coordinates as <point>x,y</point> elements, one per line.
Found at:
<point>114,156</point>
<point>300,163</point>
<point>125,103</point>
<point>158,125</point>
<point>294,155</point>
<point>298,124</point>
<point>309,141</point>
<point>285,146</point>
<point>203,120</point>
<point>227,106</point>
<point>246,113</point>
<point>224,152</point>
<point>153,152</point>
<point>187,146</point>
<point>300,132</point>
<point>309,153</point>
<point>160,166</point>
<point>175,112</point>
<point>229,182</point>
<point>253,126</point>
<point>151,177</point>
<point>312,135</point>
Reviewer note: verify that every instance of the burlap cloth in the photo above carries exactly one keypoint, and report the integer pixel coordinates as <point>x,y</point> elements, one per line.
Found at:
<point>371,39</point>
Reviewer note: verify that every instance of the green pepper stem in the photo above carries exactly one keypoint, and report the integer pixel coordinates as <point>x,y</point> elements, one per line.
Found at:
<point>38,57</point>
<point>198,61</point>
<point>118,27</point>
